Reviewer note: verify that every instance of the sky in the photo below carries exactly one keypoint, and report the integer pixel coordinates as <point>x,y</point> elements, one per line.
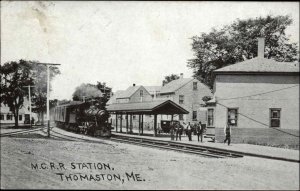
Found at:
<point>119,43</point>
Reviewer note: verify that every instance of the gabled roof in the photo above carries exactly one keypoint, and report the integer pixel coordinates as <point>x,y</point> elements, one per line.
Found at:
<point>174,85</point>
<point>152,89</point>
<point>114,97</point>
<point>260,65</point>
<point>23,110</point>
<point>152,107</point>
<point>128,92</point>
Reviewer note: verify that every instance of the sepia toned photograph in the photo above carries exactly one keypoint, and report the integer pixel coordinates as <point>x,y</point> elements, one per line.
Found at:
<point>149,95</point>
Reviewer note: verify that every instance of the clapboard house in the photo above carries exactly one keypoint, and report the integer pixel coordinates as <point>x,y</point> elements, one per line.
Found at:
<point>188,93</point>
<point>259,98</point>
<point>7,117</point>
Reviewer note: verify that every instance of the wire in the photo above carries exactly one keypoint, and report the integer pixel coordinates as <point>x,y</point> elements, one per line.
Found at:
<point>261,122</point>
<point>260,93</point>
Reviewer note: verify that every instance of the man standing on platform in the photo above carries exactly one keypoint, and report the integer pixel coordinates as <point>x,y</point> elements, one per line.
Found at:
<point>227,132</point>
<point>179,130</point>
<point>199,131</point>
<point>189,131</point>
<point>172,130</point>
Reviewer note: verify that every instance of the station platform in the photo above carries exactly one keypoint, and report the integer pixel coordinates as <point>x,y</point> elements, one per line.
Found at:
<point>246,148</point>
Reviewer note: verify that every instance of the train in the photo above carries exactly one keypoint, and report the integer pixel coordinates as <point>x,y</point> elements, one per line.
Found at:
<point>82,117</point>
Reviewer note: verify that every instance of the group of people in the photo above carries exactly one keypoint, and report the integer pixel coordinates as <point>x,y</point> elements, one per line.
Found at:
<point>177,129</point>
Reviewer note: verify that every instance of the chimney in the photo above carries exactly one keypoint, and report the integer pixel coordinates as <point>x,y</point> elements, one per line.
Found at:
<point>181,75</point>
<point>133,85</point>
<point>261,47</point>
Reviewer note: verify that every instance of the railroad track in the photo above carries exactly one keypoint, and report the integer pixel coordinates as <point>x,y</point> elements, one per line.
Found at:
<point>54,134</point>
<point>57,135</point>
<point>186,148</point>
<point>21,132</point>
<point>208,149</point>
<point>205,151</point>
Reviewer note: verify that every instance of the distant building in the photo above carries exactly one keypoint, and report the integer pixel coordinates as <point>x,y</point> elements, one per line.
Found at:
<point>188,93</point>
<point>255,96</point>
<point>153,91</point>
<point>130,95</point>
<point>7,117</point>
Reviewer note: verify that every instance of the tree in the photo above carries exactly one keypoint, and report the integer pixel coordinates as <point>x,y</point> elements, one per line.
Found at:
<point>238,42</point>
<point>169,78</point>
<point>14,77</point>
<point>39,93</point>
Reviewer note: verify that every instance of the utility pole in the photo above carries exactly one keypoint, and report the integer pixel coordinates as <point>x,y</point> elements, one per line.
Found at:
<point>48,94</point>
<point>29,92</point>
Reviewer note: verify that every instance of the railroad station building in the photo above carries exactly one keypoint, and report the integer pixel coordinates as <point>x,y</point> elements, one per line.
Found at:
<point>259,98</point>
<point>135,110</point>
<point>184,92</point>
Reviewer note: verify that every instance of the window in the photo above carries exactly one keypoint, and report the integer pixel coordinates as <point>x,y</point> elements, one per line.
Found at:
<point>181,99</point>
<point>181,117</point>
<point>232,116</point>
<point>1,117</point>
<point>274,117</point>
<point>20,117</point>
<point>194,115</point>
<point>194,85</point>
<point>133,117</point>
<point>141,93</point>
<point>8,117</point>
<point>210,117</point>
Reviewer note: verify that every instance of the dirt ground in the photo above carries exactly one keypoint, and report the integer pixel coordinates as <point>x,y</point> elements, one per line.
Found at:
<point>38,163</point>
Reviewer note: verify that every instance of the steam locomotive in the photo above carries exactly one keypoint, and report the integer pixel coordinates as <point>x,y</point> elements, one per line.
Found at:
<point>82,117</point>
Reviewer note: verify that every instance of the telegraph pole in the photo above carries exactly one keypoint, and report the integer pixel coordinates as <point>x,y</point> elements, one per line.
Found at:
<point>48,94</point>
<point>29,103</point>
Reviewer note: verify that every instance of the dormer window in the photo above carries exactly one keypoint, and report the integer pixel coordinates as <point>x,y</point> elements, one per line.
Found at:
<point>195,86</point>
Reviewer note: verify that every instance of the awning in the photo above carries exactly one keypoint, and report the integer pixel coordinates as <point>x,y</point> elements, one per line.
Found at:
<point>167,107</point>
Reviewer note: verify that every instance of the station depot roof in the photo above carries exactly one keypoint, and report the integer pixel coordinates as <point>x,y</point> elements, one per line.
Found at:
<point>153,107</point>
<point>260,65</point>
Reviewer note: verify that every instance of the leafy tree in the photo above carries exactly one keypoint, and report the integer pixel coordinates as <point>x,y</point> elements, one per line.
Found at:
<point>238,42</point>
<point>14,77</point>
<point>39,93</point>
<point>170,78</point>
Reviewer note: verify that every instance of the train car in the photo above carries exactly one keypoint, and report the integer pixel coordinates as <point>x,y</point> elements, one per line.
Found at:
<point>82,117</point>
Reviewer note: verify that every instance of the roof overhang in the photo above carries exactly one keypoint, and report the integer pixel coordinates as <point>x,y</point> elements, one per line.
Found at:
<point>155,107</point>
<point>254,73</point>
